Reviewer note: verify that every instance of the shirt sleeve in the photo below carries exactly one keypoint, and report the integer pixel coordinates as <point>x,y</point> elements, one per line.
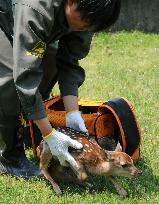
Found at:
<point>72,48</point>
<point>30,32</point>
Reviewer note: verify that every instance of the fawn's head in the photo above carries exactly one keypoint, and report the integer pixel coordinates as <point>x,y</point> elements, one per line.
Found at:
<point>121,164</point>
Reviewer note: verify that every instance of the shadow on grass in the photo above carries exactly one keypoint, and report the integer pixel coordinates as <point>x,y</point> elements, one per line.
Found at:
<point>148,182</point>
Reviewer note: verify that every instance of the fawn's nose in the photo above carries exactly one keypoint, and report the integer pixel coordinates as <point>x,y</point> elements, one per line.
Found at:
<point>138,172</point>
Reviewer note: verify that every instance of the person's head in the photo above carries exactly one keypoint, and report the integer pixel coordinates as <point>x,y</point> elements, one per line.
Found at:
<point>93,15</point>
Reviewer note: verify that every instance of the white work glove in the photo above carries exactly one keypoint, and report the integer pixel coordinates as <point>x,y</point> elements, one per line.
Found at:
<point>58,144</point>
<point>75,121</point>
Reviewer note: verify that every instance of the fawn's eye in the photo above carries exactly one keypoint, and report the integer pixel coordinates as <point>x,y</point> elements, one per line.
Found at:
<point>124,165</point>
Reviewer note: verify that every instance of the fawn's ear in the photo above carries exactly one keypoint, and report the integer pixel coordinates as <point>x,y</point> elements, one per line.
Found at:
<point>118,148</point>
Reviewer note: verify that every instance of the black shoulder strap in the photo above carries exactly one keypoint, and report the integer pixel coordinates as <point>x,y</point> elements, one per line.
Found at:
<point>128,125</point>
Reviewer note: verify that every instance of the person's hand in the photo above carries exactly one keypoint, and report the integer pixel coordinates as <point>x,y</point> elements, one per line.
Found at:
<point>58,144</point>
<point>75,121</point>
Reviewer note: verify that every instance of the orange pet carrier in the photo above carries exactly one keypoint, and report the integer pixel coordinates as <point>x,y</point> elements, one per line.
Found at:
<point>113,120</point>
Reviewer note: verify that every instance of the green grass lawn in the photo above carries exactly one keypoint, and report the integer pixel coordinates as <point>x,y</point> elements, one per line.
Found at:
<point>120,64</point>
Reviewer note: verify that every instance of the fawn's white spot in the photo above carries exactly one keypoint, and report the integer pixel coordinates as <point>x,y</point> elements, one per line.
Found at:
<point>78,150</point>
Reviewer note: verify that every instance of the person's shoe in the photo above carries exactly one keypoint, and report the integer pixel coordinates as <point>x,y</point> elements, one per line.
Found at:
<point>13,160</point>
<point>19,168</point>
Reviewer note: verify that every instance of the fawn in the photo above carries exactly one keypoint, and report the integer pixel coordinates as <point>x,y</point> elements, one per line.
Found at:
<point>92,160</point>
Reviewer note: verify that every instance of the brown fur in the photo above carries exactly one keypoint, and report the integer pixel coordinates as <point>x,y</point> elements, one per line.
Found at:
<point>92,160</point>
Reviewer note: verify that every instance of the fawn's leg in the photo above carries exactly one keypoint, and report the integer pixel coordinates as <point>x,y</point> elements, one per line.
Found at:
<point>53,183</point>
<point>45,158</point>
<point>82,177</point>
<point>118,187</point>
<point>68,175</point>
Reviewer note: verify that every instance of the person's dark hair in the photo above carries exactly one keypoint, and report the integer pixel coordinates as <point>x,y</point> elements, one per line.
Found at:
<point>100,14</point>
